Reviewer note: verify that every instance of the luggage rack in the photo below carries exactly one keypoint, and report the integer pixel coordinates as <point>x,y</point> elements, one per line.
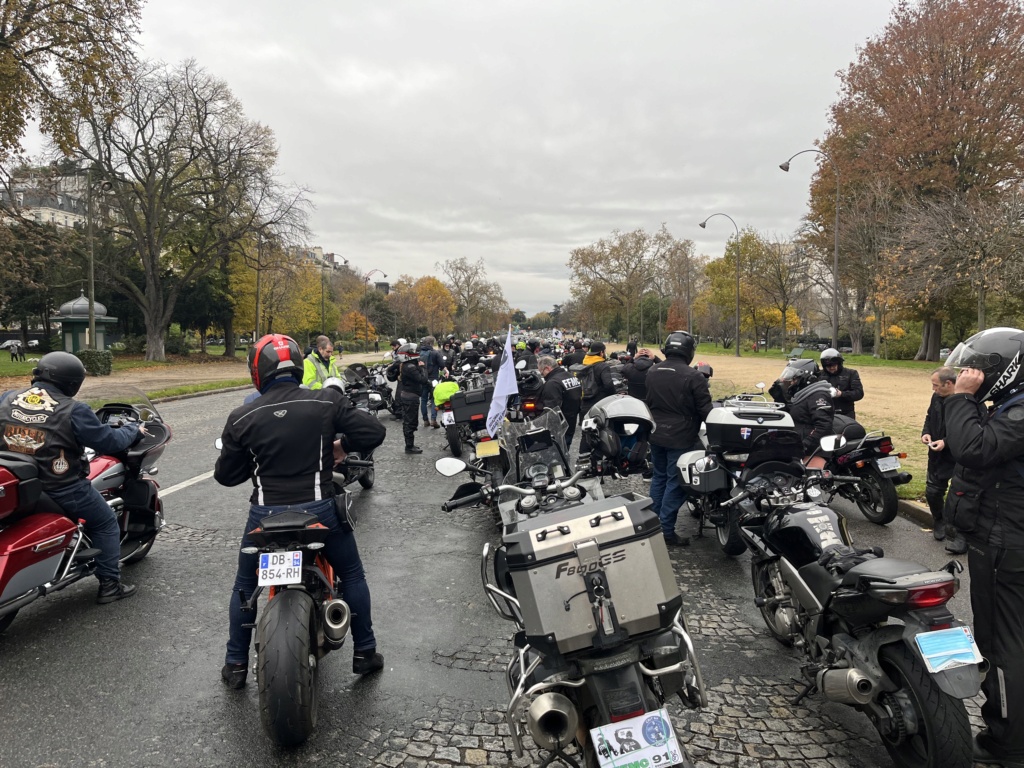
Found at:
<point>752,403</point>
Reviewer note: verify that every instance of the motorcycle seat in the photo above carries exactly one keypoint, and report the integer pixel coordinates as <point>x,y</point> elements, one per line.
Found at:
<point>820,581</point>
<point>882,568</point>
<point>287,520</point>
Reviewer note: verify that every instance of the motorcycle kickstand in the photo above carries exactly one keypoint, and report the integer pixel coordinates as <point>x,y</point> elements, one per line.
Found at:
<point>558,753</point>
<point>809,688</point>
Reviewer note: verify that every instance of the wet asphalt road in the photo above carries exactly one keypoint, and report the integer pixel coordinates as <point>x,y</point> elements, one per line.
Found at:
<point>137,682</point>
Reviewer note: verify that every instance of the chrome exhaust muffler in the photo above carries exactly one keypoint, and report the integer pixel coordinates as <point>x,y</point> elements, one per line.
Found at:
<point>337,620</point>
<point>552,720</point>
<point>846,686</point>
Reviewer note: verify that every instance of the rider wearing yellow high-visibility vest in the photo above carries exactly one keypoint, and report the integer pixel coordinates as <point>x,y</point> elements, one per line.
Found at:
<point>320,364</point>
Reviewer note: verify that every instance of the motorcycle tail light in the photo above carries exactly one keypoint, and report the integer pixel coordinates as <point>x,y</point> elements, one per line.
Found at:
<point>885,446</point>
<point>529,406</point>
<point>618,718</point>
<point>902,455</point>
<point>477,417</point>
<point>928,596</point>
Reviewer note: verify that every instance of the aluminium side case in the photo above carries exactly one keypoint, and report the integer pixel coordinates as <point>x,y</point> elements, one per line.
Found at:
<point>553,559</point>
<point>696,481</point>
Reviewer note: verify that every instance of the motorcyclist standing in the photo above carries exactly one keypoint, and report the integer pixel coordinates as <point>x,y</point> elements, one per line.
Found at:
<point>45,423</point>
<point>845,381</point>
<point>561,390</point>
<point>807,400</point>
<point>408,371</point>
<point>635,372</point>
<point>285,443</point>
<point>986,504</point>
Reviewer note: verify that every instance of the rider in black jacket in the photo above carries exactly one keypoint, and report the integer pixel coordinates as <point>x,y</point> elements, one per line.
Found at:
<point>807,401</point>
<point>284,442</point>
<point>635,372</point>
<point>845,381</point>
<point>408,371</point>
<point>561,390</point>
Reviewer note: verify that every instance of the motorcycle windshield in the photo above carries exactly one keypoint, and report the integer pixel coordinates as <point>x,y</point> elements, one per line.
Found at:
<point>776,445</point>
<point>97,393</point>
<point>535,444</point>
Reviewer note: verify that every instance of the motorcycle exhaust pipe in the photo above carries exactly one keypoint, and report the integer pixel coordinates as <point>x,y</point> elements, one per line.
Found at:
<point>846,686</point>
<point>337,619</point>
<point>552,720</point>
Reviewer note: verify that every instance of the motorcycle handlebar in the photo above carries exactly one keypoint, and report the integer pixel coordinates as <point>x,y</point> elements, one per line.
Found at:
<point>357,463</point>
<point>451,504</point>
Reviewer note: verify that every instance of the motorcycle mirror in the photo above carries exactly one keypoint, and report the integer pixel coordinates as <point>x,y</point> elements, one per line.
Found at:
<point>832,442</point>
<point>760,385</point>
<point>450,466</point>
<point>146,415</point>
<point>521,365</point>
<point>218,444</point>
<point>707,464</point>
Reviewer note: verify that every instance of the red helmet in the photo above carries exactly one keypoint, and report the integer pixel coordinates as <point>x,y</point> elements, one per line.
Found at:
<point>272,356</point>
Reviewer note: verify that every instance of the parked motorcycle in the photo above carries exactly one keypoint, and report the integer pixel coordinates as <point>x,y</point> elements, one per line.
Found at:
<point>875,632</point>
<point>601,641</point>
<point>305,618</point>
<point>357,467</point>
<point>43,551</point>
<point>871,458</point>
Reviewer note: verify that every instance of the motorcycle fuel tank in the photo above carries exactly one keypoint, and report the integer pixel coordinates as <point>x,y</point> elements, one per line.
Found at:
<point>31,550</point>
<point>801,532</point>
<point>105,473</point>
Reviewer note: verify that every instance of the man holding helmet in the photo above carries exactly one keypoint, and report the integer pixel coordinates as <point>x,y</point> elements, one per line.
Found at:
<point>680,400</point>
<point>986,504</point>
<point>845,382</point>
<point>285,443</point>
<point>45,423</point>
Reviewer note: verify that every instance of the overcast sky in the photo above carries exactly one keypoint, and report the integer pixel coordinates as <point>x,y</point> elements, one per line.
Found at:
<point>516,131</point>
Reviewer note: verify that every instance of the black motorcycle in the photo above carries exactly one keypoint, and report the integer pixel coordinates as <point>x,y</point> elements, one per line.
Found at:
<point>875,632</point>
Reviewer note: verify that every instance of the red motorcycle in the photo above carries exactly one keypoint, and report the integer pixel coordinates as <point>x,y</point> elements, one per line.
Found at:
<point>42,550</point>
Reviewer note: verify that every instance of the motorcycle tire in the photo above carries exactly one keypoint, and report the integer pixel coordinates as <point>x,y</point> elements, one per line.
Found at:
<point>451,431</point>
<point>6,621</point>
<point>366,479</point>
<point>876,497</point>
<point>729,538</point>
<point>764,590</point>
<point>140,554</point>
<point>944,732</point>
<point>287,666</point>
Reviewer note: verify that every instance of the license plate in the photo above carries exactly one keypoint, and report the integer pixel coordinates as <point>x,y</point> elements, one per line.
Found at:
<point>647,739</point>
<point>487,448</point>
<point>280,568</point>
<point>948,648</point>
<point>888,464</point>
<point>447,417</point>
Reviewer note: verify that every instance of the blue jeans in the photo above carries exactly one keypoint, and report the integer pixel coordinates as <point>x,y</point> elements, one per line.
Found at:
<point>427,405</point>
<point>667,493</point>
<point>340,551</point>
<point>80,500</point>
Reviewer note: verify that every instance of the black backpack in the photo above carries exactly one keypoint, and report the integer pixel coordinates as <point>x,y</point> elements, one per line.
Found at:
<point>587,379</point>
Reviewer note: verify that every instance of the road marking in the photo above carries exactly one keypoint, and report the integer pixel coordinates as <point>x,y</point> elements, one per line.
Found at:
<point>197,479</point>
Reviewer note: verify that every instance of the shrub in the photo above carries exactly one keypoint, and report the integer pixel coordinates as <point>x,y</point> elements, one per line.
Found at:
<point>176,344</point>
<point>903,348</point>
<point>134,345</point>
<point>97,362</point>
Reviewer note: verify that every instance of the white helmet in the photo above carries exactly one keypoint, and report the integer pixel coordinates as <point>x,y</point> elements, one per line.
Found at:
<point>401,342</point>
<point>467,347</point>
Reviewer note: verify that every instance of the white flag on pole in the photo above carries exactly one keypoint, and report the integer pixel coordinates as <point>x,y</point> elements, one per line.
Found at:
<point>504,385</point>
<point>557,334</point>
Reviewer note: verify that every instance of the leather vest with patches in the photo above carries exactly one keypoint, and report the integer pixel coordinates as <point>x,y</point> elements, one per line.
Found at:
<point>37,423</point>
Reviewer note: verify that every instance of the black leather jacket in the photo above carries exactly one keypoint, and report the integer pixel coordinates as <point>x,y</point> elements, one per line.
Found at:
<point>562,390</point>
<point>812,412</point>
<point>986,497</point>
<point>635,374</point>
<point>847,381</point>
<point>284,442</point>
<point>680,401</point>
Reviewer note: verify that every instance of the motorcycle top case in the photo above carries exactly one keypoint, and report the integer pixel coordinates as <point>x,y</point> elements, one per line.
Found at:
<point>546,561</point>
<point>472,404</point>
<point>733,430</point>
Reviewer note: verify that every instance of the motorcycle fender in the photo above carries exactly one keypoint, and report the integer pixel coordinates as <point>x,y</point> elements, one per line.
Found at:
<point>959,682</point>
<point>863,652</point>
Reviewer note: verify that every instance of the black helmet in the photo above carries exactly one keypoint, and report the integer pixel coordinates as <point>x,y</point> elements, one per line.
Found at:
<point>62,369</point>
<point>274,355</point>
<point>830,355</point>
<point>533,345</point>
<point>797,374</point>
<point>997,353</point>
<point>681,344</point>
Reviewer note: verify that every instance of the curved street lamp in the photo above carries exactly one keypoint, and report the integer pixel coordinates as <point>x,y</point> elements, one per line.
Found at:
<point>366,314</point>
<point>704,225</point>
<point>835,255</point>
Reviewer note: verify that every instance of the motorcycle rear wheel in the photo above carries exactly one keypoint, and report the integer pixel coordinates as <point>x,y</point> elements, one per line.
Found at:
<point>451,431</point>
<point>764,589</point>
<point>876,497</point>
<point>287,666</point>
<point>944,737</point>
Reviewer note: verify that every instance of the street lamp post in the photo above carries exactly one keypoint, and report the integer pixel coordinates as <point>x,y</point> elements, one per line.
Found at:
<point>704,225</point>
<point>366,314</point>
<point>835,254</point>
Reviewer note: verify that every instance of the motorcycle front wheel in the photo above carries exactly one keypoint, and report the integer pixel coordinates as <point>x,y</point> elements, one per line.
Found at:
<point>876,497</point>
<point>942,732</point>
<point>761,575</point>
<point>729,538</point>
<point>451,431</point>
<point>286,667</point>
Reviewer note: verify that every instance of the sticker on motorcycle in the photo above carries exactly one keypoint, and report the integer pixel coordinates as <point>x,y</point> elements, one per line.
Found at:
<point>746,432</point>
<point>447,417</point>
<point>24,439</point>
<point>280,568</point>
<point>647,739</point>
